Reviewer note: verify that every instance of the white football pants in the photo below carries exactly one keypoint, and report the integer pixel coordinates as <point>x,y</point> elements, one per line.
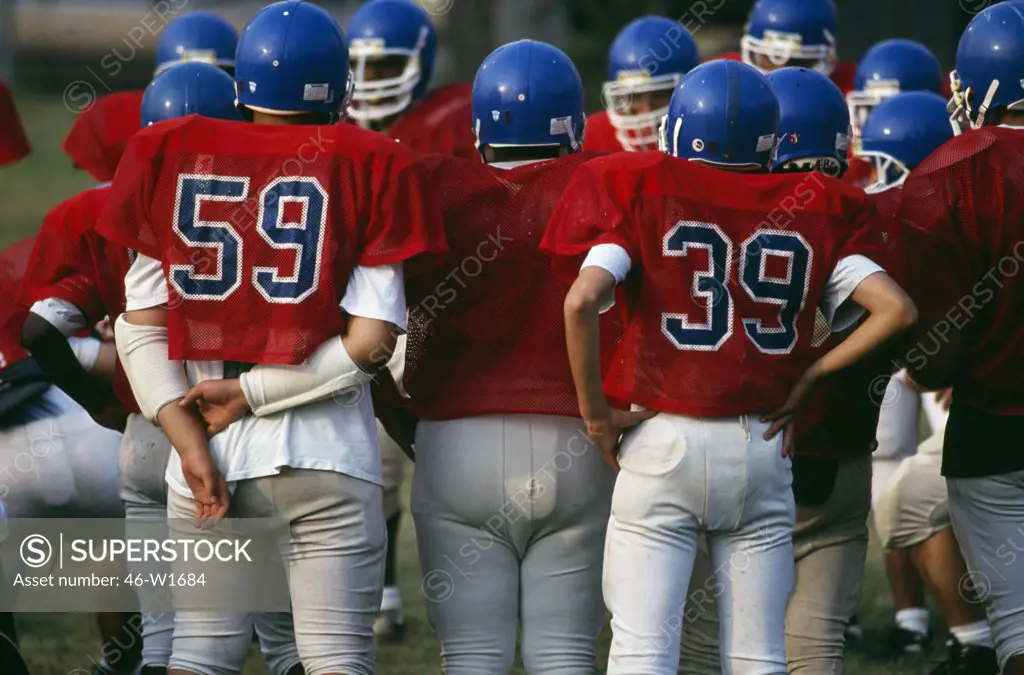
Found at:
<point>142,466</point>
<point>510,514</point>
<point>681,477</point>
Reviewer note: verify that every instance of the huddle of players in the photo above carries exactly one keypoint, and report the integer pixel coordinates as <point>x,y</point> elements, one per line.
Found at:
<point>499,265</point>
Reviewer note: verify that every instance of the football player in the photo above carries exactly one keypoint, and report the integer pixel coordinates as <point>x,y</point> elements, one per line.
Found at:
<point>509,498</point>
<point>712,460</point>
<point>645,63</point>
<point>101,131</point>
<point>393,51</point>
<point>310,222</point>
<point>909,503</point>
<point>962,209</point>
<point>783,33</point>
<point>834,433</point>
<point>76,277</point>
<point>14,144</point>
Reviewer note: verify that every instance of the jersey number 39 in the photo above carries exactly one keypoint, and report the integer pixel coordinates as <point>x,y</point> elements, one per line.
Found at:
<point>304,237</point>
<point>788,293</point>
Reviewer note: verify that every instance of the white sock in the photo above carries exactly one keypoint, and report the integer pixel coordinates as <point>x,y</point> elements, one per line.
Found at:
<point>977,634</point>
<point>914,619</point>
<point>392,599</point>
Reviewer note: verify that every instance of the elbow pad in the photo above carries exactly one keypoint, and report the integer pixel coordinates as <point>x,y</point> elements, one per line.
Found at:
<point>330,370</point>
<point>156,380</point>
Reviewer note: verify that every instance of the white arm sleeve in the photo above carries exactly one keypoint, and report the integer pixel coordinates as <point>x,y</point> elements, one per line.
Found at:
<point>839,310</point>
<point>330,370</point>
<point>145,285</point>
<point>373,293</point>
<point>156,380</point>
<point>377,293</point>
<point>61,314</point>
<point>614,260</point>
<point>86,350</point>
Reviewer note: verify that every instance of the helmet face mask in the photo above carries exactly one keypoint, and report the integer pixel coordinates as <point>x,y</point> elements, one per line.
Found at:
<point>636,104</point>
<point>386,78</point>
<point>889,171</point>
<point>861,103</point>
<point>778,49</point>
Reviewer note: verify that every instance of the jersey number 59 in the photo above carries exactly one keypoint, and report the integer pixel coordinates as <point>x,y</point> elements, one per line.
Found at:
<point>304,238</point>
<point>789,293</point>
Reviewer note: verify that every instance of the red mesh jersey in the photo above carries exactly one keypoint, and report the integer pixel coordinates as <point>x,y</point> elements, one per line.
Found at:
<point>259,227</point>
<point>13,143</point>
<point>963,221</point>
<point>840,418</point>
<point>486,330</point>
<point>14,260</point>
<point>844,76</point>
<point>727,271</point>
<point>72,262</point>
<point>728,56</point>
<point>442,123</point>
<point>12,318</point>
<point>101,132</point>
<point>860,172</point>
<point>600,134</point>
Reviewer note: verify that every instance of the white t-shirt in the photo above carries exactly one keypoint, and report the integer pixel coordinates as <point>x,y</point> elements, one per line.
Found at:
<point>328,435</point>
<point>839,310</point>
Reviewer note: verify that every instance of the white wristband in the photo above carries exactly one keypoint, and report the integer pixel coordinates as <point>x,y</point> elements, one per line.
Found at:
<point>87,351</point>
<point>328,371</point>
<point>156,380</point>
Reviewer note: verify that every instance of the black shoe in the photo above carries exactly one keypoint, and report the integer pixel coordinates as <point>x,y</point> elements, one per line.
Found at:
<point>901,641</point>
<point>967,660</point>
<point>854,634</point>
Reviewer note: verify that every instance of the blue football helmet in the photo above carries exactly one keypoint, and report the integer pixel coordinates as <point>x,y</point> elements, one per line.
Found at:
<point>292,58</point>
<point>888,68</point>
<point>791,33</point>
<point>190,89</point>
<point>197,36</point>
<point>814,126</point>
<point>528,93</point>
<point>900,132</point>
<point>649,55</point>
<point>390,28</point>
<point>989,66</point>
<point>724,114</point>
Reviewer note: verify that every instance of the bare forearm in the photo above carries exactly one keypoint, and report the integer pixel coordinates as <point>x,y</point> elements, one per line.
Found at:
<point>583,340</point>
<point>55,356</point>
<point>184,428</point>
<point>874,333</point>
<point>370,342</point>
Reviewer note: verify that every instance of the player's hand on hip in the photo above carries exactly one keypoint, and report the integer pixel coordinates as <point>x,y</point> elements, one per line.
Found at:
<point>606,431</point>
<point>783,418</point>
<point>208,485</point>
<point>220,402</point>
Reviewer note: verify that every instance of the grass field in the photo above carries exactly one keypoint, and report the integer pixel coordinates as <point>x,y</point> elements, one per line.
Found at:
<point>65,644</point>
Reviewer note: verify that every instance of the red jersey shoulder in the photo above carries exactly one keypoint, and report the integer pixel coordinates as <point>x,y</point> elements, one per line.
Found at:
<point>100,133</point>
<point>966,147</point>
<point>441,123</point>
<point>13,143</point>
<point>728,56</point>
<point>844,76</point>
<point>600,134</point>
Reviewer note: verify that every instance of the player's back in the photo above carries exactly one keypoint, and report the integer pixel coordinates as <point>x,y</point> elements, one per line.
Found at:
<point>71,262</point>
<point>259,226</point>
<point>486,331</point>
<point>101,131</point>
<point>732,267</point>
<point>439,124</point>
<point>963,217</point>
